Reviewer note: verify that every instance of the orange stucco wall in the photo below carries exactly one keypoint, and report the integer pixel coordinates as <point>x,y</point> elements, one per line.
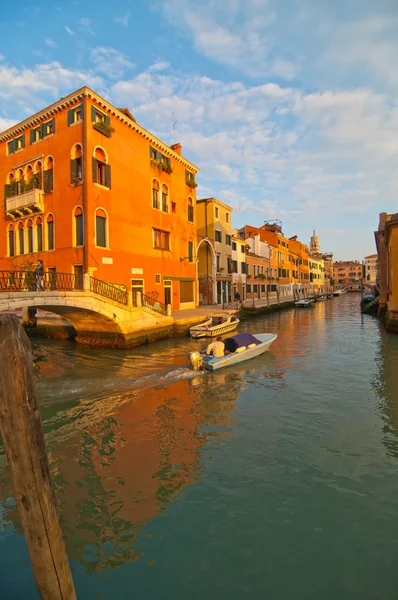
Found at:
<point>127,203</point>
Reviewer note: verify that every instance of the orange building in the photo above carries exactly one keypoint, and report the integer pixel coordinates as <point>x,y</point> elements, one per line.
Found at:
<point>88,190</point>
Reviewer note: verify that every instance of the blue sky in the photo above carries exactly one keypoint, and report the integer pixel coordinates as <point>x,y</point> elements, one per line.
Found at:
<point>288,107</point>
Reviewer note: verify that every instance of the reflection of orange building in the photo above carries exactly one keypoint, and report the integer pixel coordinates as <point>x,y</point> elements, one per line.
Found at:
<point>387,249</point>
<point>87,189</point>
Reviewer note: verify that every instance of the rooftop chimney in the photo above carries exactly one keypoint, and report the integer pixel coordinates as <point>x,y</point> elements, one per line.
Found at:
<point>177,148</point>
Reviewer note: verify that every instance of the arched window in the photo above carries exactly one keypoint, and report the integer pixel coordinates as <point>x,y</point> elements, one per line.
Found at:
<point>30,236</point>
<point>39,234</point>
<point>20,182</point>
<point>101,169</point>
<point>165,198</point>
<point>48,174</point>
<point>190,250</point>
<point>29,173</point>
<point>155,194</point>
<point>38,175</point>
<point>21,238</point>
<point>10,188</point>
<point>50,232</point>
<point>101,228</point>
<point>78,227</point>
<point>11,241</point>
<point>190,210</point>
<point>76,164</point>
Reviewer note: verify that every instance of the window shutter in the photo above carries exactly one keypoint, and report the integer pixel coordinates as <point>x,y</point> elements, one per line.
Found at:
<point>53,125</point>
<point>70,116</point>
<point>107,120</point>
<point>43,130</point>
<point>15,190</point>
<point>48,181</point>
<point>94,170</point>
<point>93,113</point>
<point>23,140</point>
<point>32,135</point>
<point>108,176</point>
<point>82,110</point>
<point>73,170</point>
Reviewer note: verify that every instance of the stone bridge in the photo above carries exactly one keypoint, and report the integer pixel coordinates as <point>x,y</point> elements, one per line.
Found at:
<point>101,313</point>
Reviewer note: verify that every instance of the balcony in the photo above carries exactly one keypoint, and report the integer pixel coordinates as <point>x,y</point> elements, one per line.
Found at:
<point>31,202</point>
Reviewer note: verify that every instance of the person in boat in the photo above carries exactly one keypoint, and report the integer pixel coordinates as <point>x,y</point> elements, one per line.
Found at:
<point>216,348</point>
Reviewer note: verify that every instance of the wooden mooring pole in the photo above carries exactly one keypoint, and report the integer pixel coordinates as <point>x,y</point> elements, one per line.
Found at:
<point>23,438</point>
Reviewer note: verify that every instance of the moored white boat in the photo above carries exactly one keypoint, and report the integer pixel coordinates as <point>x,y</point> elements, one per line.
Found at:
<point>321,298</point>
<point>241,347</point>
<point>215,325</point>
<point>337,292</point>
<point>304,303</point>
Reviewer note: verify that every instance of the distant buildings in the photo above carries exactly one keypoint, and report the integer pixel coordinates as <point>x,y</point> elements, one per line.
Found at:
<point>347,274</point>
<point>387,250</point>
<point>371,268</point>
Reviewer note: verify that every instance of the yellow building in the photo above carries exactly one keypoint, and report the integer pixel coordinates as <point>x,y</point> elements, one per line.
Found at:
<point>387,249</point>
<point>317,274</point>
<point>214,251</point>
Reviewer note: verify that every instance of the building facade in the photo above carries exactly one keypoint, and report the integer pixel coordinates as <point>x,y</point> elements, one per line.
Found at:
<point>347,274</point>
<point>387,250</point>
<point>258,266</point>
<point>214,234</point>
<point>88,190</point>
<point>317,274</point>
<point>238,267</point>
<point>371,268</point>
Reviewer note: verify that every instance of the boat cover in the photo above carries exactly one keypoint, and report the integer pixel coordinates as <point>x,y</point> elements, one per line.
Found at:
<point>239,340</point>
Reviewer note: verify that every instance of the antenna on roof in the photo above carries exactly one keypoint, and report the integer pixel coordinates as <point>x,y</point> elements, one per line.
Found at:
<point>174,127</point>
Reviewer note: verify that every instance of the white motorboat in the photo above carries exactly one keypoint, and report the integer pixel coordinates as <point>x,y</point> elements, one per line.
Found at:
<point>337,292</point>
<point>240,347</point>
<point>215,325</point>
<point>305,303</point>
<point>321,298</point>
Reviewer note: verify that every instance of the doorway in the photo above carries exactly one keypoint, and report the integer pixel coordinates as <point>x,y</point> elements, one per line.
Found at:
<point>167,292</point>
<point>137,285</point>
<point>78,277</point>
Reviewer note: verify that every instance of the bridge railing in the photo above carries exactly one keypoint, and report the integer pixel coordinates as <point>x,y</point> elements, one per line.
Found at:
<point>154,304</point>
<point>28,281</point>
<point>109,291</point>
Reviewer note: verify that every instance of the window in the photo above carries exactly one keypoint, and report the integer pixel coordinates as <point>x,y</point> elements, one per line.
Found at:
<point>50,232</point>
<point>155,194</point>
<point>11,241</point>
<point>39,233</point>
<point>76,165</point>
<point>173,207</point>
<point>48,128</point>
<point>158,278</point>
<point>234,266</point>
<point>35,135</point>
<point>101,228</point>
<point>21,239</point>
<point>101,170</point>
<point>190,210</point>
<point>190,251</point>
<point>49,175</point>
<point>242,249</point>
<point>218,236</point>
<point>161,239</point>
<point>190,178</point>
<point>233,245</point>
<point>16,144</point>
<point>186,291</point>
<point>75,115</point>
<point>227,217</point>
<point>227,239</point>
<point>165,198</point>
<point>216,212</point>
<point>218,264</point>
<point>243,267</point>
<point>161,160</point>
<point>30,236</point>
<point>79,227</point>
<point>254,270</point>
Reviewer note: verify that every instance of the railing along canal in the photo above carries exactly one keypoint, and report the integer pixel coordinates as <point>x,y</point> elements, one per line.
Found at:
<point>109,291</point>
<point>154,304</point>
<point>29,281</point>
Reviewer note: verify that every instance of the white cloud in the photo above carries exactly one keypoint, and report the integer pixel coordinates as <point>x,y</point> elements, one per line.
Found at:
<point>110,62</point>
<point>6,123</point>
<point>85,26</point>
<point>69,30</point>
<point>123,21</point>
<point>160,65</point>
<point>50,42</point>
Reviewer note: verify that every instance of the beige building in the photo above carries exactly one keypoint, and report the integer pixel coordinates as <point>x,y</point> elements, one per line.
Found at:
<point>214,251</point>
<point>371,268</point>
<point>347,274</point>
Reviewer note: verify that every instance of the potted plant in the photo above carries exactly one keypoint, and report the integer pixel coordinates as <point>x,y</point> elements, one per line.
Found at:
<point>104,128</point>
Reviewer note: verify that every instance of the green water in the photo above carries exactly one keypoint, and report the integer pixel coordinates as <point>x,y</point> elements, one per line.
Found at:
<point>274,479</point>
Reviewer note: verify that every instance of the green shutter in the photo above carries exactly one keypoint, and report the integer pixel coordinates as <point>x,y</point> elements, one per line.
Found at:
<point>43,130</point>
<point>108,176</point>
<point>94,170</point>
<point>107,120</point>
<point>53,125</point>
<point>93,113</point>
<point>71,113</point>
<point>23,140</point>
<point>82,109</point>
<point>32,135</point>
<point>73,170</point>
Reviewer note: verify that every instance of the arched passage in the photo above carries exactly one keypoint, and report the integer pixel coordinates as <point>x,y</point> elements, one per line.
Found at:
<point>206,272</point>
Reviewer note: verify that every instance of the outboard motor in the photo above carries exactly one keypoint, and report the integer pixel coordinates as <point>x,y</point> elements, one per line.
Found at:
<point>196,360</point>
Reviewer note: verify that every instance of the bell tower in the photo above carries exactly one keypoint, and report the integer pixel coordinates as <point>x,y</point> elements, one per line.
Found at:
<point>314,245</point>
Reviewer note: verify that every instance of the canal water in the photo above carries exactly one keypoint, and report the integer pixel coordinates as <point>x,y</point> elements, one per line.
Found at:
<point>277,478</point>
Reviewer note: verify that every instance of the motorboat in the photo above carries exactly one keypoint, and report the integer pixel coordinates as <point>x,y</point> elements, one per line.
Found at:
<point>305,303</point>
<point>337,292</point>
<point>321,298</point>
<point>215,325</point>
<point>238,348</point>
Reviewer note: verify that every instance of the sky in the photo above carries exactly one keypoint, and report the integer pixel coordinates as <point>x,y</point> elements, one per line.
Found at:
<point>288,107</point>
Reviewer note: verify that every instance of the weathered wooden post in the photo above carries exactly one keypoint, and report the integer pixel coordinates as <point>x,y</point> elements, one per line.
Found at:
<point>22,432</point>
<point>277,293</point>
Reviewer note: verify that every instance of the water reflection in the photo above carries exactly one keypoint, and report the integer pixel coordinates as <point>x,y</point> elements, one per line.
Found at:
<point>120,461</point>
